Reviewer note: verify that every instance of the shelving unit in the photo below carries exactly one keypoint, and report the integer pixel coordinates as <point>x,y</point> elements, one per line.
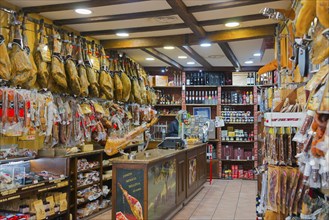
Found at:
<point>250,126</point>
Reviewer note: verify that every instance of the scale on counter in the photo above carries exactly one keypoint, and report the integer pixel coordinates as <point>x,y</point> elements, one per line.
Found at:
<point>172,143</point>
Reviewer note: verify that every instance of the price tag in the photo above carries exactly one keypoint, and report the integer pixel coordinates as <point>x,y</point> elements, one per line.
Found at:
<point>51,201</point>
<point>63,202</point>
<point>35,181</point>
<point>39,209</point>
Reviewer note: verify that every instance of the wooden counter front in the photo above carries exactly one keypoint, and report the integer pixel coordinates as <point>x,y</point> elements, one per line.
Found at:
<point>152,187</point>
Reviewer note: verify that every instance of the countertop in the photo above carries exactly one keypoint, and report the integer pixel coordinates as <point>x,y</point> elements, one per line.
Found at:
<point>154,155</point>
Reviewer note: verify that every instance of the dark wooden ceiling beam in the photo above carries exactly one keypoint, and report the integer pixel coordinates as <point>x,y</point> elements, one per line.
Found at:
<point>190,39</point>
<point>189,51</point>
<point>224,5</point>
<point>153,52</point>
<point>237,19</point>
<point>268,43</point>
<point>75,5</point>
<point>118,17</point>
<point>230,54</point>
<point>180,8</point>
<point>134,30</point>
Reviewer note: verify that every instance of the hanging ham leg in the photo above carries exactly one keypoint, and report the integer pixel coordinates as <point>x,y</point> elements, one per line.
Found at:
<point>5,66</point>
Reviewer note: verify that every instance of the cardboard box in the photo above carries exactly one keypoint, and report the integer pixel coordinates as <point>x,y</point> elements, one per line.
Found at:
<point>161,80</point>
<point>239,78</point>
<point>238,153</point>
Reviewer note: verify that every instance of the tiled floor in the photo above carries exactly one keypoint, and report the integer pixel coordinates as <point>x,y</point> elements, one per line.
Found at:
<point>223,200</point>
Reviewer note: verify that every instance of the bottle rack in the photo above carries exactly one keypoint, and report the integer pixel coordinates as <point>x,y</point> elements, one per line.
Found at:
<point>216,108</point>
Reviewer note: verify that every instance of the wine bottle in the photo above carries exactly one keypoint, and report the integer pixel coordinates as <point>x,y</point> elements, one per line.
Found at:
<point>216,98</point>
<point>192,98</point>
<point>247,98</point>
<point>191,79</point>
<point>188,79</point>
<point>244,98</point>
<point>209,98</point>
<point>201,79</point>
<point>248,79</point>
<point>252,79</point>
<point>251,101</point>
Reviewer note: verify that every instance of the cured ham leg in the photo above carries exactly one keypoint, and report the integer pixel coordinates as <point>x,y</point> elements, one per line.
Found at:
<point>134,204</point>
<point>114,144</point>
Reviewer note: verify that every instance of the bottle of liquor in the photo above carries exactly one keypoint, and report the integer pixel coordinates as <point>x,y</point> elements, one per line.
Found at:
<point>251,98</point>
<point>248,79</point>
<point>187,98</point>
<point>209,98</point>
<point>213,100</point>
<point>195,79</point>
<point>201,78</point>
<point>223,98</point>
<point>247,98</point>
<point>252,79</point>
<point>202,97</point>
<point>196,97</point>
<point>188,81</point>
<point>207,79</point>
<point>191,79</point>
<point>244,98</point>
<point>228,98</point>
<point>216,98</point>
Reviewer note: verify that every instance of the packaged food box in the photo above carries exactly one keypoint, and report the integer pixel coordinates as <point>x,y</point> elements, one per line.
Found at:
<point>238,153</point>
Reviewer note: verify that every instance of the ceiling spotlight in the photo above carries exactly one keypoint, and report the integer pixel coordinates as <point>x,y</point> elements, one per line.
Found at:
<point>168,47</point>
<point>205,44</point>
<point>257,54</point>
<point>122,34</point>
<point>182,57</point>
<point>162,71</point>
<point>149,58</point>
<point>83,11</point>
<point>190,63</point>
<point>249,62</point>
<point>232,24</point>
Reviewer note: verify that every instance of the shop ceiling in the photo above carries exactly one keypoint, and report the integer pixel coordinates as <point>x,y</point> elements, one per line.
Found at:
<point>184,24</point>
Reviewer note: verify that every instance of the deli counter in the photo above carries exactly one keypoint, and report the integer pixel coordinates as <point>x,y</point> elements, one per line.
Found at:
<point>157,183</point>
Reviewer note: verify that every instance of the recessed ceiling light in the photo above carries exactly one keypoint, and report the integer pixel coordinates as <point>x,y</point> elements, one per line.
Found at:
<point>232,24</point>
<point>169,47</point>
<point>249,62</point>
<point>122,34</point>
<point>182,57</point>
<point>149,58</point>
<point>257,54</point>
<point>205,44</point>
<point>190,63</point>
<point>83,11</point>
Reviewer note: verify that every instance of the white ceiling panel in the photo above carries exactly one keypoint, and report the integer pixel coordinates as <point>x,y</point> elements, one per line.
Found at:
<point>213,54</point>
<point>32,3</point>
<point>204,2</point>
<point>139,56</point>
<point>244,51</point>
<point>173,54</point>
<point>117,25</point>
<point>242,25</point>
<point>111,10</point>
<point>239,11</point>
<point>147,34</point>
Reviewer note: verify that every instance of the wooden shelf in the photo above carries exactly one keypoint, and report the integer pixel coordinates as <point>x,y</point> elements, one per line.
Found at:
<point>235,160</point>
<point>238,104</point>
<point>89,170</point>
<point>238,123</point>
<point>171,105</point>
<point>201,104</point>
<point>232,86</point>
<point>201,86</point>
<point>238,141</point>
<point>213,140</point>
<point>88,185</point>
<point>11,194</point>
<point>168,115</point>
<point>167,87</point>
<point>14,159</point>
